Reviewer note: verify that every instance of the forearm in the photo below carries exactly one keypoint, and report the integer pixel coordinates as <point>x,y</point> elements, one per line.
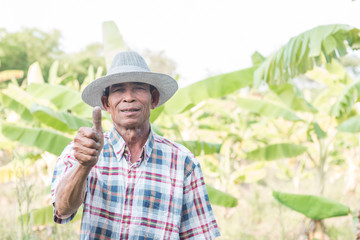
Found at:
<point>71,191</point>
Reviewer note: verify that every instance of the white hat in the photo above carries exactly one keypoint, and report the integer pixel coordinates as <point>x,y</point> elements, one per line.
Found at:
<point>129,67</point>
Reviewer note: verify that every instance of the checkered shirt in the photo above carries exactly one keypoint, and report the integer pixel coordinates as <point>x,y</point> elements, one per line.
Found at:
<point>161,196</point>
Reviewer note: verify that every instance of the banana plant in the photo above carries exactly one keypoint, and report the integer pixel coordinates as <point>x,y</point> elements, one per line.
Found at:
<point>307,50</point>
<point>316,208</point>
<point>314,54</point>
<point>312,206</point>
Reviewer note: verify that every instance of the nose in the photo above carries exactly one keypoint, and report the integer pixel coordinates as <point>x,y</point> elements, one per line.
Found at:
<point>128,96</point>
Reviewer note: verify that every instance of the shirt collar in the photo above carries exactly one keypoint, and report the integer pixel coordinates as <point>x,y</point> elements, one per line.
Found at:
<point>119,144</point>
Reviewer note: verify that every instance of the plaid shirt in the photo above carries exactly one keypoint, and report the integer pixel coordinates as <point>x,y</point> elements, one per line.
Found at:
<point>161,196</point>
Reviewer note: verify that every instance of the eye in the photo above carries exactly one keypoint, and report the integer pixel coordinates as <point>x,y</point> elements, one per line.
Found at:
<point>140,88</point>
<point>118,90</point>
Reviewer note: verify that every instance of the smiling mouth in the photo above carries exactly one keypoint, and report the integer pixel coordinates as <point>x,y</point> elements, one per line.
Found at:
<point>130,110</point>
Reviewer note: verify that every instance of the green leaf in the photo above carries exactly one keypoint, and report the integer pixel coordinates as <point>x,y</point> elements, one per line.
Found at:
<point>292,97</point>
<point>257,58</point>
<point>318,131</point>
<point>213,87</point>
<point>53,77</point>
<point>220,198</point>
<point>329,44</point>
<point>267,108</point>
<point>99,72</point>
<point>89,78</point>
<point>61,121</point>
<point>346,100</point>
<point>36,137</point>
<point>199,147</point>
<point>314,207</point>
<point>301,52</point>
<point>321,75</point>
<point>155,113</point>
<point>19,95</point>
<point>276,151</point>
<point>351,125</point>
<point>250,173</point>
<point>64,98</point>
<point>333,74</point>
<point>113,41</point>
<point>10,103</point>
<point>44,216</point>
<point>34,74</point>
<point>338,70</point>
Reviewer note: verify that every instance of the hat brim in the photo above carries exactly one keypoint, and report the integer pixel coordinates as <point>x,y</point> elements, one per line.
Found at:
<point>166,85</point>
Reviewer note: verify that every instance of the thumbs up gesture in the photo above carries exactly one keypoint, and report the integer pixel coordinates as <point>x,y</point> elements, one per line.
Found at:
<point>89,142</point>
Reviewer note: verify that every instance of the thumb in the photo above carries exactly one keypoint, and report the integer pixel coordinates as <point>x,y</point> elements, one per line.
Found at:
<point>97,119</point>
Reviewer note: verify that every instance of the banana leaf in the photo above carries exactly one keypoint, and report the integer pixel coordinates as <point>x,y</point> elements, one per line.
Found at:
<point>220,198</point>
<point>19,95</point>
<point>346,100</point>
<point>53,77</point>
<point>318,131</point>
<point>113,41</point>
<point>64,98</point>
<point>62,121</point>
<point>351,125</point>
<point>276,151</point>
<point>292,97</point>
<point>10,103</point>
<point>199,147</point>
<point>43,139</point>
<point>44,216</point>
<point>303,52</point>
<point>249,174</point>
<point>257,58</point>
<point>90,77</point>
<point>34,74</point>
<point>213,87</point>
<point>155,113</point>
<point>267,108</point>
<point>314,207</point>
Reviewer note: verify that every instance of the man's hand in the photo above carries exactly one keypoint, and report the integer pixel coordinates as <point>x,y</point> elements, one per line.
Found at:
<point>89,142</point>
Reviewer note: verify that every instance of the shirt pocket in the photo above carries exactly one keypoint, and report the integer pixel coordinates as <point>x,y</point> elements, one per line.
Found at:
<point>155,200</point>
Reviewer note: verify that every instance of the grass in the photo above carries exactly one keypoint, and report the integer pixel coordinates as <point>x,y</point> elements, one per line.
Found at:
<point>259,216</point>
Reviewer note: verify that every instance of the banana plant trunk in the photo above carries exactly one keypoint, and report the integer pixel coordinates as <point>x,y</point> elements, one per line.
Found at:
<point>317,230</point>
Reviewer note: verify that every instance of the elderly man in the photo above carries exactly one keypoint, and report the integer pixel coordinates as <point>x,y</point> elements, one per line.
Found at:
<point>132,183</point>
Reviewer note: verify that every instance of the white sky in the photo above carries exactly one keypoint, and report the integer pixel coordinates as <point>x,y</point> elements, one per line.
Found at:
<point>204,37</point>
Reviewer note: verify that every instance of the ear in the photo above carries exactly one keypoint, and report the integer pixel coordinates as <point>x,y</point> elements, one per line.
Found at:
<point>155,96</point>
<point>105,103</point>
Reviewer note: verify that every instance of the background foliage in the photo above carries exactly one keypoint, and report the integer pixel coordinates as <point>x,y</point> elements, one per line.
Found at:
<point>280,135</point>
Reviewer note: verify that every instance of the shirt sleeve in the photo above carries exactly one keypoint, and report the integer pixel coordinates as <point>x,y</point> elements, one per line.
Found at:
<point>197,220</point>
<point>64,164</point>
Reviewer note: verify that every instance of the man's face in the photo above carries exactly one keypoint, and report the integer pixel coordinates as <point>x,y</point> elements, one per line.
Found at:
<point>129,104</point>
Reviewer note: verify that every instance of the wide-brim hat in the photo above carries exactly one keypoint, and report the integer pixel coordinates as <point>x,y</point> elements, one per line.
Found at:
<point>129,67</point>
